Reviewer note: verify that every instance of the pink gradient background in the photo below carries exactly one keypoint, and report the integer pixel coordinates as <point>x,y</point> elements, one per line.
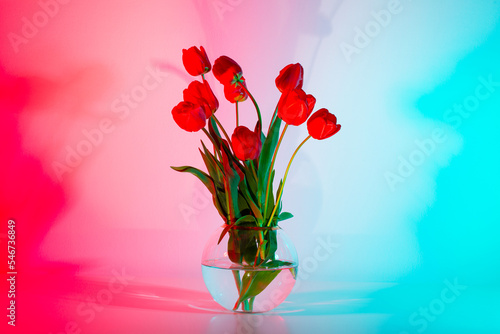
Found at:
<point>121,208</point>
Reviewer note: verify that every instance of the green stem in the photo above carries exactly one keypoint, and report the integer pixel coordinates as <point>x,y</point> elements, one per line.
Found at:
<point>284,179</point>
<point>236,275</point>
<point>251,303</point>
<point>237,115</point>
<point>246,305</point>
<point>253,100</point>
<point>272,167</point>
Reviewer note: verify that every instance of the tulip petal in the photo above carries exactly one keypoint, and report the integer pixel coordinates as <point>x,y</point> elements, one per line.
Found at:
<point>294,106</point>
<point>189,116</point>
<point>290,77</point>
<point>196,61</point>
<point>246,143</point>
<point>322,124</point>
<point>226,70</point>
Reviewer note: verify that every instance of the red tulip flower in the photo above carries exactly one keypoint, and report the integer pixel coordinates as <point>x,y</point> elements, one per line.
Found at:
<point>246,143</point>
<point>322,124</point>
<point>226,70</point>
<point>196,61</point>
<point>202,95</point>
<point>294,106</point>
<point>290,77</point>
<point>235,93</point>
<point>189,116</point>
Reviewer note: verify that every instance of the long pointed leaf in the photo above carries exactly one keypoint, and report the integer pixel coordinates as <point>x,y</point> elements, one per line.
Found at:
<point>254,282</point>
<point>255,209</point>
<point>270,198</point>
<point>208,182</point>
<point>211,168</point>
<point>231,181</point>
<point>204,177</point>
<point>214,167</point>
<point>266,155</point>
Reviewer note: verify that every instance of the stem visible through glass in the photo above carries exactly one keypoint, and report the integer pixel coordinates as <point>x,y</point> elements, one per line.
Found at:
<point>237,280</point>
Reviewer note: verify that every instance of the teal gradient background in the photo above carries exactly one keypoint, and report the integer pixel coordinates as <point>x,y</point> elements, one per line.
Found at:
<point>458,234</point>
<point>406,194</point>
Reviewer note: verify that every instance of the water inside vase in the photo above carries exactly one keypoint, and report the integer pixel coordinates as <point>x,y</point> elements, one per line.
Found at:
<point>266,288</point>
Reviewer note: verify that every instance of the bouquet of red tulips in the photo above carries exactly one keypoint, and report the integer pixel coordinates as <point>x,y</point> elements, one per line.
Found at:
<point>240,169</point>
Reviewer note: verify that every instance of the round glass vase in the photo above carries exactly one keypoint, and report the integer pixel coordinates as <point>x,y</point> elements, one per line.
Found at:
<point>248,268</point>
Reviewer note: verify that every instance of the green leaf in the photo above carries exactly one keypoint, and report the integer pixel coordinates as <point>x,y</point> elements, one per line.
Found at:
<point>253,283</point>
<point>276,264</point>
<point>285,216</point>
<point>231,181</point>
<point>240,221</point>
<point>234,162</point>
<point>270,198</point>
<point>214,130</point>
<point>221,198</point>
<point>270,252</point>
<point>293,271</point>
<point>251,178</point>
<point>211,166</point>
<point>266,156</point>
<point>240,241</point>
<point>207,180</point>
<point>224,231</point>
<point>279,188</point>
<point>234,247</point>
<point>246,219</point>
<point>243,205</point>
<point>248,197</point>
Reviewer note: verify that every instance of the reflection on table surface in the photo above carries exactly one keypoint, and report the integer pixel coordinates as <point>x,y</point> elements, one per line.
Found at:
<point>64,302</point>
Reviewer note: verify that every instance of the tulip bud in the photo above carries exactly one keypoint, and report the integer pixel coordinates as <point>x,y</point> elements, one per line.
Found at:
<point>227,71</point>
<point>202,95</point>
<point>290,77</point>
<point>196,61</point>
<point>235,93</point>
<point>189,116</point>
<point>246,143</point>
<point>322,124</point>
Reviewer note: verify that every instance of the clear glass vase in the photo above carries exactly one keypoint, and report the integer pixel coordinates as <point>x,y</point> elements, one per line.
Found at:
<point>248,268</point>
